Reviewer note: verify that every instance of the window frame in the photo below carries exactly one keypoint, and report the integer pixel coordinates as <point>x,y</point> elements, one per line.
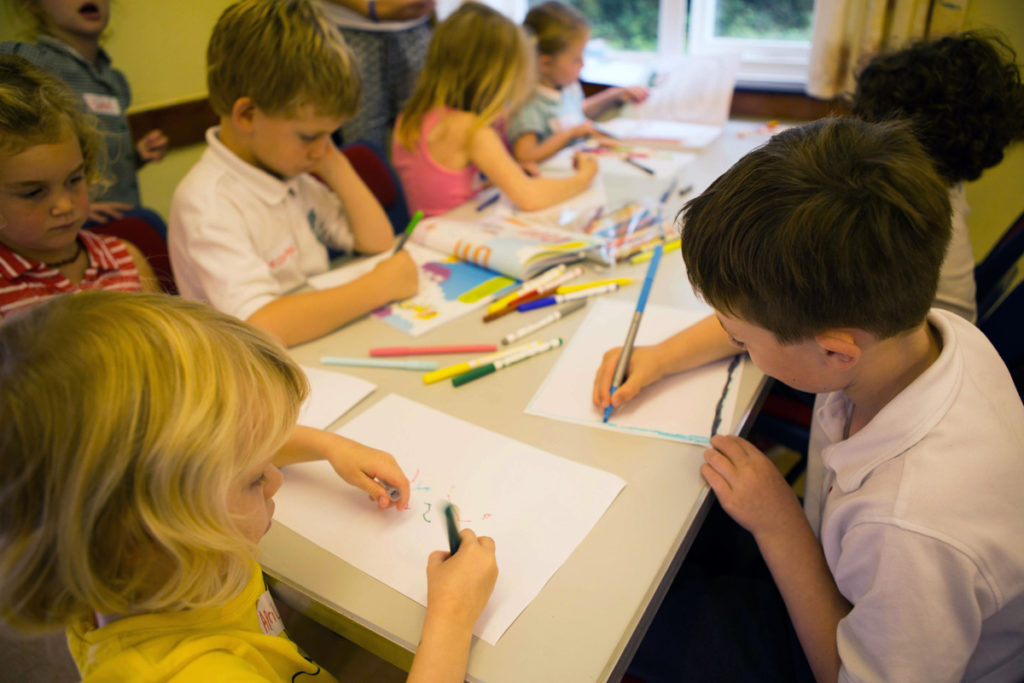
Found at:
<point>765,64</point>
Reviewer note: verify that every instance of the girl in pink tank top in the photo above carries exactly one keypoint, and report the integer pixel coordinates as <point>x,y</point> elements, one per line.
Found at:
<point>480,66</point>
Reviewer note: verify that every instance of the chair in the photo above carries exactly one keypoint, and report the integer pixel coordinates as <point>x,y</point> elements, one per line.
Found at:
<point>152,245</point>
<point>1000,298</point>
<point>371,163</point>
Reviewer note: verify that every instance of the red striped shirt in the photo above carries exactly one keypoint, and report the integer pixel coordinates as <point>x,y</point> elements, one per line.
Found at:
<point>25,283</point>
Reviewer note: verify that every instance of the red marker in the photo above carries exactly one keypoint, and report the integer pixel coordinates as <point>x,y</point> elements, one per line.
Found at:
<point>428,350</point>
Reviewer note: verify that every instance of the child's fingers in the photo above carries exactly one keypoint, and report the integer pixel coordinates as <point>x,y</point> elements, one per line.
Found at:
<point>627,391</point>
<point>720,462</point>
<point>436,558</point>
<point>603,378</point>
<point>716,481</point>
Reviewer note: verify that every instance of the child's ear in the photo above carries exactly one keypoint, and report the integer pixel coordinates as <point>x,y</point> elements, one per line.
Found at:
<point>840,347</point>
<point>242,114</point>
<point>544,63</point>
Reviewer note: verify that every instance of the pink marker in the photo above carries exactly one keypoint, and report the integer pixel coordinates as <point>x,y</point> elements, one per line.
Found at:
<point>429,350</point>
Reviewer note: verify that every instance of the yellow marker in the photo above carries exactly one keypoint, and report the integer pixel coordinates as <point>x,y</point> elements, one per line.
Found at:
<point>565,289</point>
<point>646,256</point>
<point>466,366</point>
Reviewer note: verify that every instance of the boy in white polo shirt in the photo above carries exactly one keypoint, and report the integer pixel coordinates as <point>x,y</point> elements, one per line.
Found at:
<point>249,223</point>
<point>820,253</point>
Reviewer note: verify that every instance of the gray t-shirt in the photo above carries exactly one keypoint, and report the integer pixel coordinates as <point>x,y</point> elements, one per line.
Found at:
<point>103,91</point>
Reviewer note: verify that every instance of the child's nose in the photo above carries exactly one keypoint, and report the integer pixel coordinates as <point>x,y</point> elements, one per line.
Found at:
<point>319,148</point>
<point>274,481</point>
<point>62,204</point>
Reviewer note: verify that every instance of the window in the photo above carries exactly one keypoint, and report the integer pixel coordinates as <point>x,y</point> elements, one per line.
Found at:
<point>772,37</point>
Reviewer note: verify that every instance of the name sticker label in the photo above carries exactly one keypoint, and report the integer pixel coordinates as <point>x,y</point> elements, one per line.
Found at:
<point>102,104</point>
<point>266,611</point>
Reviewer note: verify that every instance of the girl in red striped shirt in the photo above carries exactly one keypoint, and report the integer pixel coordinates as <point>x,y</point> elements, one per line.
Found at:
<point>49,154</point>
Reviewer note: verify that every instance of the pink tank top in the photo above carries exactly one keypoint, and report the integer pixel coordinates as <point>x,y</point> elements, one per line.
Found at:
<point>430,187</point>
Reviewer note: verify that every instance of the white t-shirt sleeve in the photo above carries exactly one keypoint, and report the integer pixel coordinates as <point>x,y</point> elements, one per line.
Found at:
<point>918,606</point>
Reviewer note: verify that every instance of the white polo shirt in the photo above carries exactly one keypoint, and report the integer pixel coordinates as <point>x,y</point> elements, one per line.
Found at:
<point>239,237</point>
<point>956,279</point>
<point>920,517</point>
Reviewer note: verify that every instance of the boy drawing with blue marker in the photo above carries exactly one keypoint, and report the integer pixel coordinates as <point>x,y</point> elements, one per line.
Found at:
<point>820,253</point>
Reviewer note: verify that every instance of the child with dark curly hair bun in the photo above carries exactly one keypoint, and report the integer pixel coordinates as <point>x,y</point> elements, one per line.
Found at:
<point>964,97</point>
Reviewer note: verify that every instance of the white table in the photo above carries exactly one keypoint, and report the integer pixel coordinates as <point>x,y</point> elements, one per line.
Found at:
<point>587,621</point>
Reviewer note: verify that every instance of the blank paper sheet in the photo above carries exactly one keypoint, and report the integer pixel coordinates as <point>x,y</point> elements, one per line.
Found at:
<point>331,395</point>
<point>536,506</point>
<point>681,407</point>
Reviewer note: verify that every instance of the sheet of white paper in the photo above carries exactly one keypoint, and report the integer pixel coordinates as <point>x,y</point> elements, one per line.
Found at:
<point>679,408</point>
<point>657,132</point>
<point>331,395</point>
<point>614,169</point>
<point>694,88</point>
<point>503,489</point>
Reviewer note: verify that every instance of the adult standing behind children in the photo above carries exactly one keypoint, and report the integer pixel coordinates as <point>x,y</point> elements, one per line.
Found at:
<point>67,45</point>
<point>820,253</point>
<point>557,113</point>
<point>963,94</point>
<point>479,67</point>
<point>50,156</point>
<point>249,223</point>
<point>389,39</point>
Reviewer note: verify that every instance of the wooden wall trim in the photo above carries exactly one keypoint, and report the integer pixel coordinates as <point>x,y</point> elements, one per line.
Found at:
<point>185,123</point>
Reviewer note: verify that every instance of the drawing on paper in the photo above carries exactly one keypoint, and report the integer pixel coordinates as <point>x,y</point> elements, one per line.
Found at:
<point>448,289</point>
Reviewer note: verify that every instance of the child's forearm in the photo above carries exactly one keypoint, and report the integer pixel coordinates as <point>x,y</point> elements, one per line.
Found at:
<point>307,444</point>
<point>701,343</point>
<point>443,654</point>
<point>300,317</point>
<point>540,193</point>
<point>370,225</point>
<point>815,605</point>
<point>600,102</point>
<point>526,147</point>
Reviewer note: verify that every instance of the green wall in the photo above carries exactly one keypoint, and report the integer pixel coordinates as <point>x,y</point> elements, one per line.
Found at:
<point>161,45</point>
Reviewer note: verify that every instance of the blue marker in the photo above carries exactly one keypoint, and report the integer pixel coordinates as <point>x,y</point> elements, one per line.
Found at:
<point>398,364</point>
<point>393,492</point>
<point>634,326</point>
<point>453,530</point>
<point>487,202</point>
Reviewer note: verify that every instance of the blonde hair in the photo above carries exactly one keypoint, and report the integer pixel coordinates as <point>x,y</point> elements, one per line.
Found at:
<point>38,109</point>
<point>478,61</point>
<point>282,54</point>
<point>124,420</point>
<point>555,25</point>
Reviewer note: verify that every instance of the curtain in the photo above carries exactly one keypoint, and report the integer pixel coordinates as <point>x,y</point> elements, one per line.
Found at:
<point>848,33</point>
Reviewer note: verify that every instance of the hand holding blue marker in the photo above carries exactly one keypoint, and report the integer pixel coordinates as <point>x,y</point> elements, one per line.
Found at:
<point>453,530</point>
<point>634,326</point>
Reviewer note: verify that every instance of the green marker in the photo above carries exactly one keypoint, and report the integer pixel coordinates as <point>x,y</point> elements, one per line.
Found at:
<point>508,361</point>
<point>408,231</point>
<point>453,530</point>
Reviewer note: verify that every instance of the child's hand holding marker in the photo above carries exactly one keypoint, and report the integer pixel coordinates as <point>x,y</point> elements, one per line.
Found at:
<point>369,469</point>
<point>459,585</point>
<point>645,368</point>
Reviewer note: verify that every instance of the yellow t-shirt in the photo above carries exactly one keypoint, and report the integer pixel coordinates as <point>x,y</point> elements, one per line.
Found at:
<point>243,640</point>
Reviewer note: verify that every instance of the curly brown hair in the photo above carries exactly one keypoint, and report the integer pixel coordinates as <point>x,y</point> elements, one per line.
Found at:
<point>962,94</point>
